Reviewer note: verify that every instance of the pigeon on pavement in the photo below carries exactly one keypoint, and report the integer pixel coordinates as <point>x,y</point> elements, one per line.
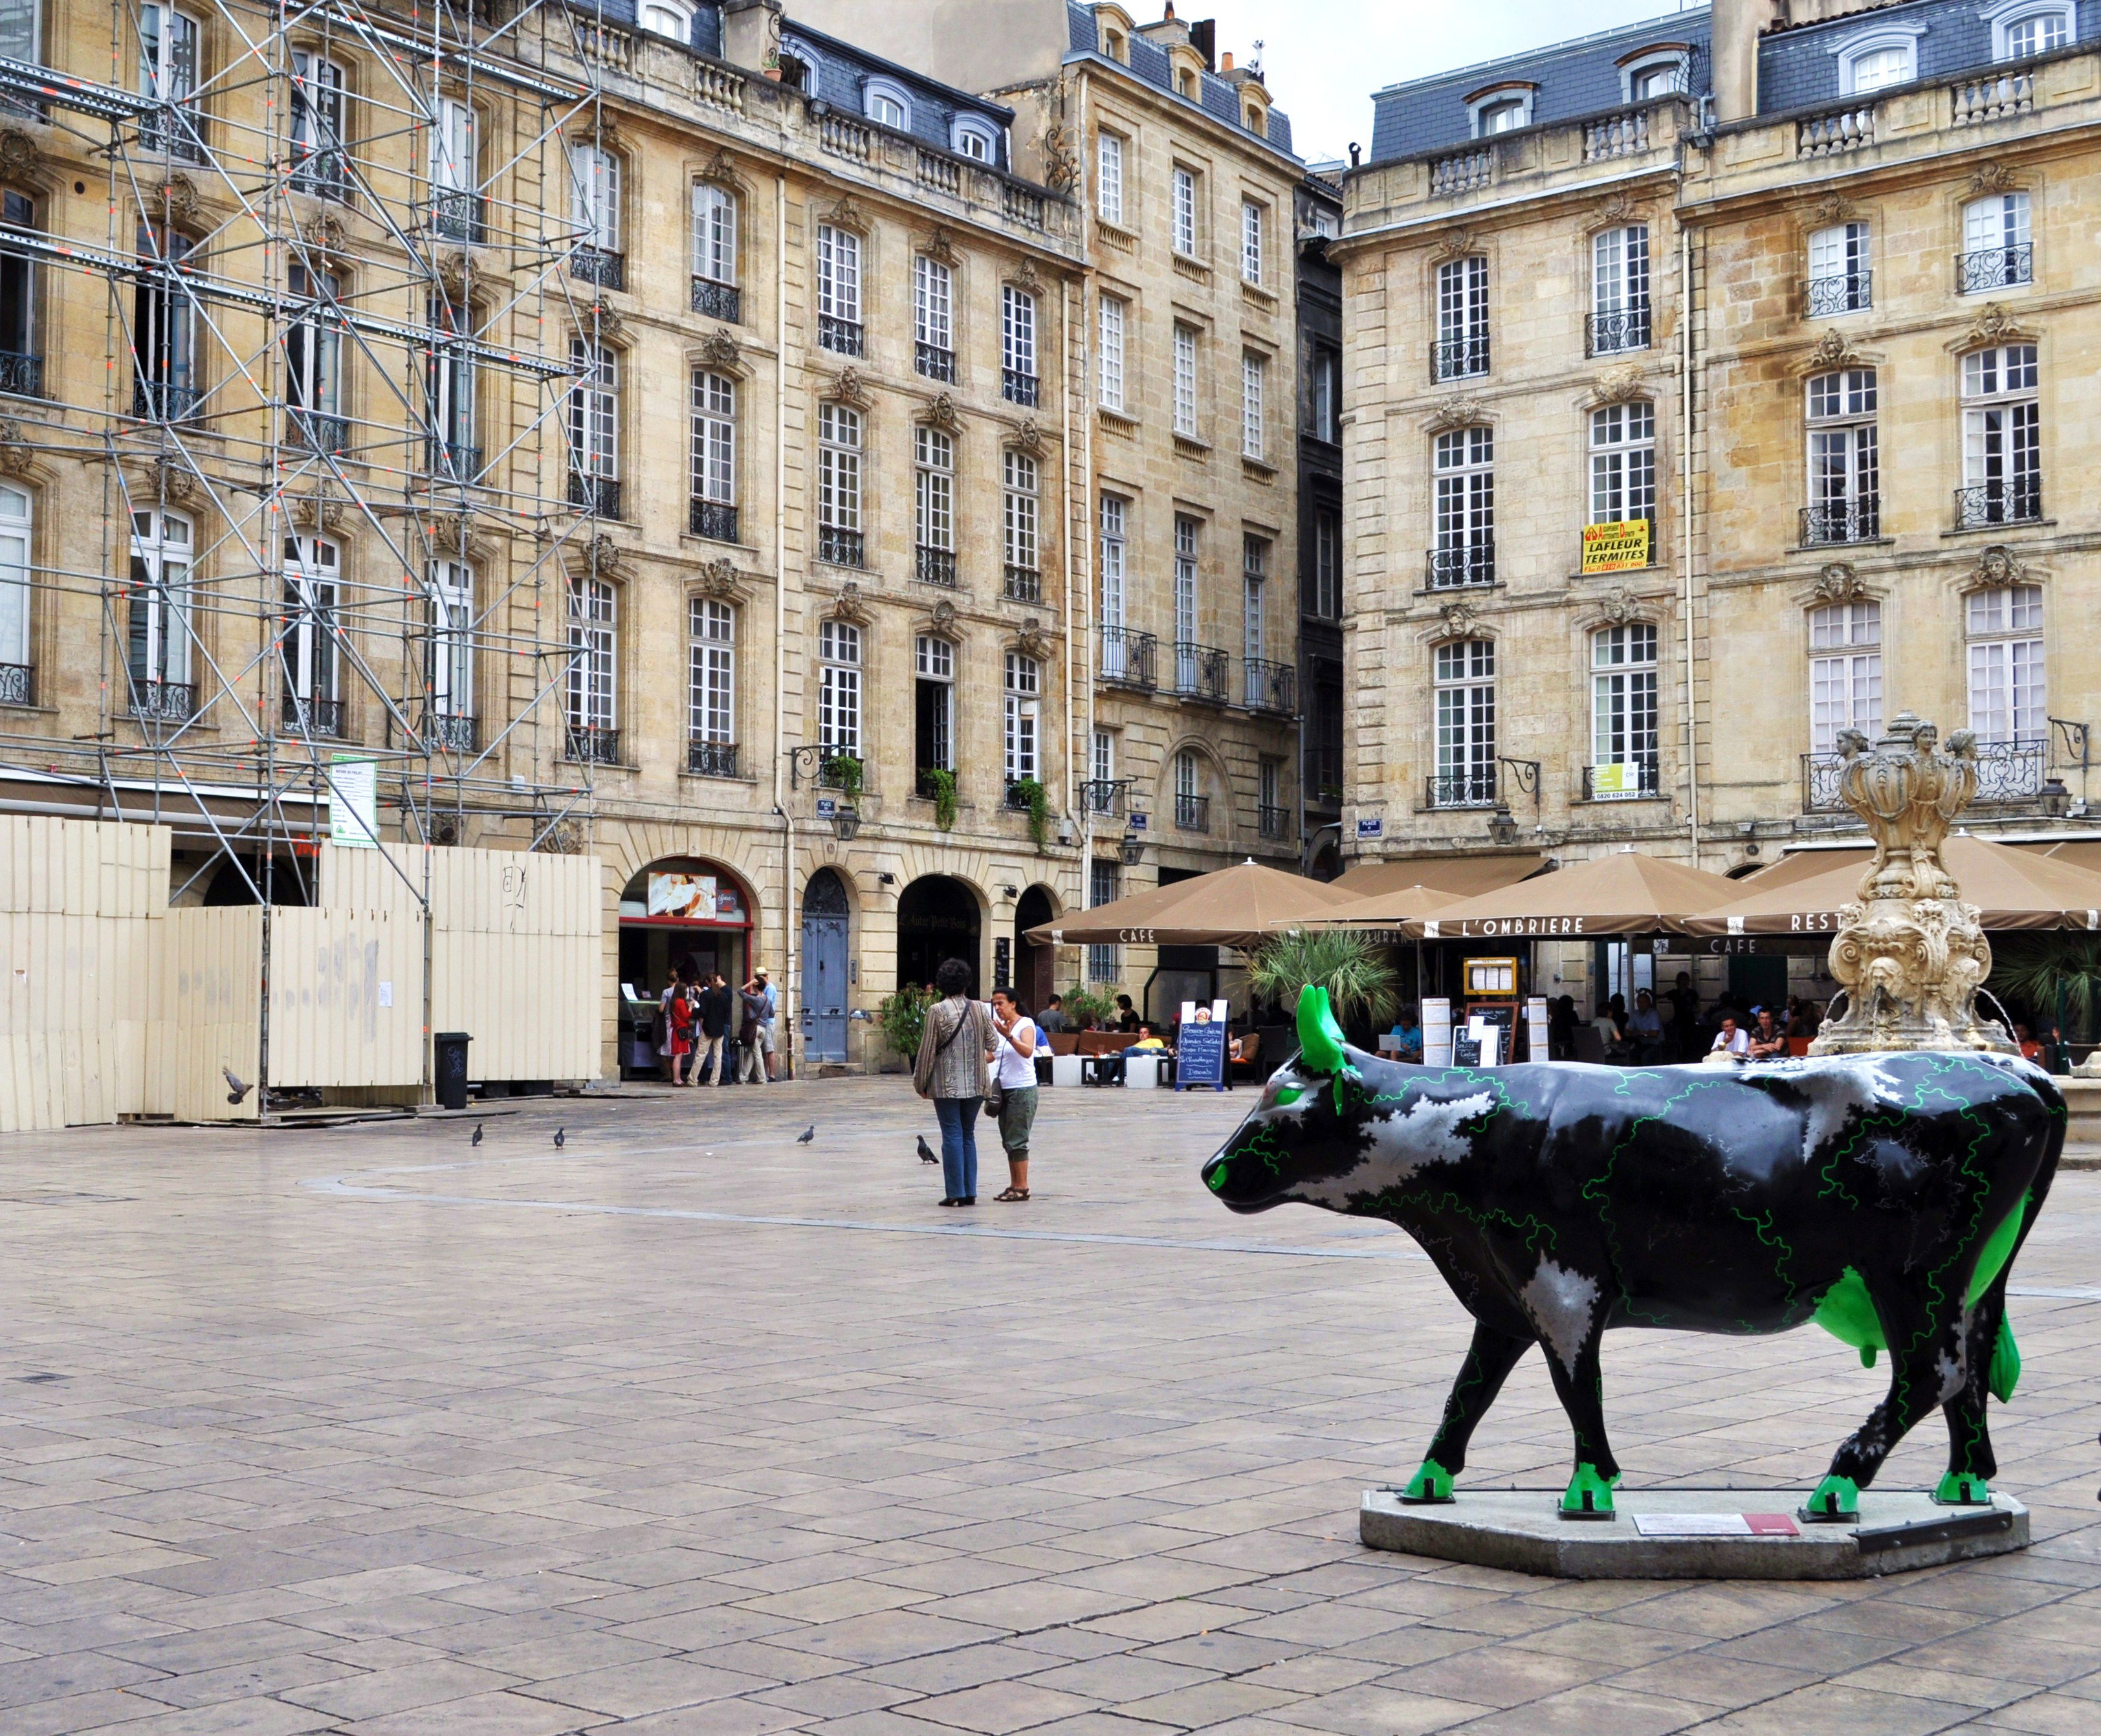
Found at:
<point>477,1134</point>
<point>926,1155</point>
<point>561,1138</point>
<point>238,1089</point>
<point>807,1135</point>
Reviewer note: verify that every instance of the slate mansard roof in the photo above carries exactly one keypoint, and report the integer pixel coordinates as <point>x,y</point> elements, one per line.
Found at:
<point>1575,78</point>
<point>1218,98</point>
<point>1797,69</point>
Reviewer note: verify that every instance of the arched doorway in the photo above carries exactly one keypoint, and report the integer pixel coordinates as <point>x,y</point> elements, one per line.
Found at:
<point>678,909</point>
<point>937,918</point>
<point>1035,976</point>
<point>826,919</point>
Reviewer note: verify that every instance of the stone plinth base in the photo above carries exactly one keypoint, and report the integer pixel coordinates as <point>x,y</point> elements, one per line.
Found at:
<point>1898,1531</point>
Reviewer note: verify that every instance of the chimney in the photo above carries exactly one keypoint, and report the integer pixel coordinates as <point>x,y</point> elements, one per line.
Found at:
<point>1204,38</point>
<point>751,30</point>
<point>1226,61</point>
<point>1736,26</point>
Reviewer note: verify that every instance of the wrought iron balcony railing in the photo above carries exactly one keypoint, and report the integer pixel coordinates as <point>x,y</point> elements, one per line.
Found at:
<point>1598,779</point>
<point>1463,786</point>
<point>162,400</point>
<point>1108,796</point>
<point>716,520</point>
<point>1458,358</point>
<point>597,495</point>
<point>448,460</point>
<point>1275,823</point>
<point>1858,520</point>
<point>934,566</point>
<point>1853,292</point>
<point>459,217</point>
<point>1456,568</point>
<point>840,548</point>
<point>1015,797</point>
<point>322,174</point>
<point>1127,656</point>
<point>719,301</point>
<point>2010,500</point>
<point>1267,686</point>
<point>1017,387</point>
<point>312,717</point>
<point>316,431</point>
<point>1023,585</point>
<point>1613,334</point>
<point>175,131</point>
<point>594,743</point>
<point>164,701</point>
<point>596,265</point>
<point>21,376</point>
<point>1200,671</point>
<point>935,362</point>
<point>711,759</point>
<point>17,684</point>
<point>1995,268</point>
<point>1192,813</point>
<point>2007,772</point>
<point>841,337</point>
<point>450,731</point>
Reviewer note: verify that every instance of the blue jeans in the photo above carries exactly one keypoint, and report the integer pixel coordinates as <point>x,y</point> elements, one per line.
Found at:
<point>959,1145</point>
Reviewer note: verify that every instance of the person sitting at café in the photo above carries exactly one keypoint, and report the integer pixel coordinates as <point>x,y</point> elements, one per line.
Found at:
<point>2031,1049</point>
<point>1561,1028</point>
<point>1407,1034</point>
<point>1731,1039</point>
<point>1804,1019</point>
<point>1768,1041</point>
<point>1645,1036</point>
<point>1052,1018</point>
<point>1126,1015</point>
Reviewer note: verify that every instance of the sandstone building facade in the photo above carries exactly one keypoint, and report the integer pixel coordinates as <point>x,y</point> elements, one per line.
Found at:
<point>1710,382</point>
<point>667,433</point>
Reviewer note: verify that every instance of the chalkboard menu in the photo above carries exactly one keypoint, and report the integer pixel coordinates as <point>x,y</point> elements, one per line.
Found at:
<point>1199,1056</point>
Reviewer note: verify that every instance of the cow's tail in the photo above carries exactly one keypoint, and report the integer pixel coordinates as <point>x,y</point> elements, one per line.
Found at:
<point>2005,1373</point>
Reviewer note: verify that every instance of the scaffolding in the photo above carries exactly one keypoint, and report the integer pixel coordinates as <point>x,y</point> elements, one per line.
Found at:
<point>351,292</point>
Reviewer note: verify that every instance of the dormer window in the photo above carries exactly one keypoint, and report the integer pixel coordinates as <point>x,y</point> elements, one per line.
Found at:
<point>800,68</point>
<point>1114,45</point>
<point>669,19</point>
<point>1650,76</point>
<point>1502,110</point>
<point>1875,60</point>
<point>887,103</point>
<point>1258,119</point>
<point>2023,28</point>
<point>1185,81</point>
<point>975,137</point>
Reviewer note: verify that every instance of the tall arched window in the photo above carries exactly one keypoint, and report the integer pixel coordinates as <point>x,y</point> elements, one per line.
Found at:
<point>308,645</point>
<point>318,165</point>
<point>1845,671</point>
<point>1618,290</point>
<point>1623,711</point>
<point>455,170</point>
<point>163,330</point>
<point>838,689</point>
<point>933,505</point>
<point>933,319</point>
<point>934,711</point>
<point>313,362</point>
<point>1623,465</point>
<point>593,670</point>
<point>711,688</point>
<point>17,540</point>
<point>1463,676</point>
<point>594,181</point>
<point>168,65</point>
<point>838,485</point>
<point>451,724</point>
<point>713,466</point>
<point>1192,806</point>
<point>594,429</point>
<point>1465,549</point>
<point>1020,499</point>
<point>157,649</point>
<point>1845,459</point>
<point>1022,704</point>
<point>715,293</point>
<point>2009,704</point>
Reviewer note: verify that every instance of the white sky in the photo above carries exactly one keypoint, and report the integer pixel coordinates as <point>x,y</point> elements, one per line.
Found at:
<point>1322,58</point>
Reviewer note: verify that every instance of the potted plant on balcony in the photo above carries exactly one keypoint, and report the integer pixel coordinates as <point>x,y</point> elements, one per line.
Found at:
<point>1029,795</point>
<point>941,786</point>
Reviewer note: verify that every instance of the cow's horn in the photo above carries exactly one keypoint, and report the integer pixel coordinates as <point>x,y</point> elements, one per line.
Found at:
<point>1320,1037</point>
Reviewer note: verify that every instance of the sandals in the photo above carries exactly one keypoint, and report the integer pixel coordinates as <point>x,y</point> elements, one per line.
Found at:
<point>1012,1193</point>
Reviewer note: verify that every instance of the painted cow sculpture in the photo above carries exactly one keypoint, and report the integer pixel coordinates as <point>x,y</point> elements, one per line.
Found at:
<point>1882,1196</point>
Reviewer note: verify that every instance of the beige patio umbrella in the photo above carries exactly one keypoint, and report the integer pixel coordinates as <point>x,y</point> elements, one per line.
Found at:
<point>1233,907</point>
<point>2015,889</point>
<point>1382,910</point>
<point>1624,893</point>
<point>1463,877</point>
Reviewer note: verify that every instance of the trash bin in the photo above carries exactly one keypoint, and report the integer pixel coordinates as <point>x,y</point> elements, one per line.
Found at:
<point>452,1068</point>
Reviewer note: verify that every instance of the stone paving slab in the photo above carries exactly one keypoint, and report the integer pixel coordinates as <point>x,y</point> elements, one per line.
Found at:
<point>686,1428</point>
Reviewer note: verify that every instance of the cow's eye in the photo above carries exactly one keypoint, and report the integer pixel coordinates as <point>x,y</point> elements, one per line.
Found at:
<point>1287,1095</point>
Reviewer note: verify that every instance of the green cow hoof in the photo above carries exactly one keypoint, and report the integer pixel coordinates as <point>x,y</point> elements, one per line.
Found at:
<point>1588,1496</point>
<point>1430,1486</point>
<point>1963,1489</point>
<point>1837,1501</point>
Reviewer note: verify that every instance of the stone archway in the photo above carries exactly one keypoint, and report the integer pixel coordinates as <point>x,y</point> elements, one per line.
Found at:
<point>938,917</point>
<point>1035,974</point>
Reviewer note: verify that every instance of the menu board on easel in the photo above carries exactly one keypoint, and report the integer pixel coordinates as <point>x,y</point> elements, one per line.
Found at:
<point>1200,1048</point>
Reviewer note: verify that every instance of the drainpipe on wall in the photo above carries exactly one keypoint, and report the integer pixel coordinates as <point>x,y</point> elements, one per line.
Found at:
<point>1685,554</point>
<point>791,986</point>
<point>1084,552</point>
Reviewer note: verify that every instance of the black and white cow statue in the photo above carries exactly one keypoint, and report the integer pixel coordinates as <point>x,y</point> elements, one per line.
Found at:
<point>1882,1196</point>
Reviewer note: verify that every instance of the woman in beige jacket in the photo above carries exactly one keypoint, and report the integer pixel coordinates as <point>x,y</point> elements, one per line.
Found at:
<point>958,1042</point>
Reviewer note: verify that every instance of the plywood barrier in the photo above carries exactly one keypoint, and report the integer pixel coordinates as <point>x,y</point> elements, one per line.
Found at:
<point>112,1003</point>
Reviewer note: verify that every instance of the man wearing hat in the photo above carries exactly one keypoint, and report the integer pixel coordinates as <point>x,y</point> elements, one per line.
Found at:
<point>761,1005</point>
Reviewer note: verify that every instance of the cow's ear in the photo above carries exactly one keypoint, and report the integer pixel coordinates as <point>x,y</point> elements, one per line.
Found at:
<point>1320,1037</point>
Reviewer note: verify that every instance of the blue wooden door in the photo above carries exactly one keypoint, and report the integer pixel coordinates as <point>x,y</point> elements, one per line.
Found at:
<point>825,987</point>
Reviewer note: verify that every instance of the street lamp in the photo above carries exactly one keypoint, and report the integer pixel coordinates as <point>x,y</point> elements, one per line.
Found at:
<point>1502,829</point>
<point>845,822</point>
<point>1131,848</point>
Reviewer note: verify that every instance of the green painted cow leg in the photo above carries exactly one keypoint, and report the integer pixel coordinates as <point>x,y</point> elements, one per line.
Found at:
<point>1490,1359</point>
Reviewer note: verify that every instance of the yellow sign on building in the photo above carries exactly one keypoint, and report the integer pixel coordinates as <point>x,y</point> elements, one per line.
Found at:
<point>1616,548</point>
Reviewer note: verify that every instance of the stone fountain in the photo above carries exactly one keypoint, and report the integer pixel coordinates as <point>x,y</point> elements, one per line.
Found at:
<point>1910,953</point>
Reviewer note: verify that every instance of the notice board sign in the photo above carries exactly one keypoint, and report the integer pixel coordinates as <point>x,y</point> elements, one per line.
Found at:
<point>1200,1046</point>
<point>353,802</point>
<point>1618,547</point>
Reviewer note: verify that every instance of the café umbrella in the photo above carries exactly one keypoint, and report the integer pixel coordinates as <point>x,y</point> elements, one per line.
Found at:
<point>2012,889</point>
<point>1232,906</point>
<point>1624,893</point>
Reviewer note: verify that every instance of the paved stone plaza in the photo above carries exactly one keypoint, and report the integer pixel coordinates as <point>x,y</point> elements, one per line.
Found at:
<point>689,1428</point>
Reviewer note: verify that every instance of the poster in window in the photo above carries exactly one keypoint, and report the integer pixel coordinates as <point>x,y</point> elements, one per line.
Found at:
<point>1619,547</point>
<point>690,897</point>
